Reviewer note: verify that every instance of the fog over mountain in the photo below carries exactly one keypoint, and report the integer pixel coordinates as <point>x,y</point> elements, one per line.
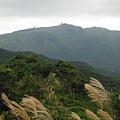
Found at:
<point>95,46</point>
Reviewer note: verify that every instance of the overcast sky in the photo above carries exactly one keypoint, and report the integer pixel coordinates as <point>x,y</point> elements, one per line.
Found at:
<point>23,14</point>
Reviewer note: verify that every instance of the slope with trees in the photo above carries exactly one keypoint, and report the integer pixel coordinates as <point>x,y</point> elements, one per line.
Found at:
<point>58,85</point>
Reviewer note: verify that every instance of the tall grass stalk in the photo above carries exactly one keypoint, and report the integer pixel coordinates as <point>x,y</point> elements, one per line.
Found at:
<point>15,108</point>
<point>28,105</point>
<point>75,116</point>
<point>34,106</point>
<point>98,94</point>
<point>91,115</point>
<point>105,115</point>
<point>0,118</point>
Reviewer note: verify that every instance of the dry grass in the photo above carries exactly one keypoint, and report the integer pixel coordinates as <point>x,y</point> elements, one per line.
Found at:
<point>91,115</point>
<point>98,94</point>
<point>101,90</point>
<point>34,106</point>
<point>16,109</point>
<point>28,105</point>
<point>105,115</point>
<point>75,116</point>
<point>0,118</point>
<point>94,94</point>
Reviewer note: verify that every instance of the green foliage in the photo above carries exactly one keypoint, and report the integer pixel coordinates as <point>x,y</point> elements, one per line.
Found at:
<point>7,78</point>
<point>5,55</point>
<point>115,103</point>
<point>59,85</point>
<point>59,112</point>
<point>68,74</point>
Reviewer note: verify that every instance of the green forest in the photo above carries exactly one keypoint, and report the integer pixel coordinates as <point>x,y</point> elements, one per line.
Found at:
<point>58,84</point>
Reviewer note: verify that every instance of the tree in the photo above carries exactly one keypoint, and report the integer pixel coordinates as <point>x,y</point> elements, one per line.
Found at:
<point>7,78</point>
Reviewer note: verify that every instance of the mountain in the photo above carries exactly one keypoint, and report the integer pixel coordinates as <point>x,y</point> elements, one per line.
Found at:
<point>98,47</point>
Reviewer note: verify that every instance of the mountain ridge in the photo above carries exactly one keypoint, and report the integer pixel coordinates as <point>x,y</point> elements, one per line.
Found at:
<point>96,46</point>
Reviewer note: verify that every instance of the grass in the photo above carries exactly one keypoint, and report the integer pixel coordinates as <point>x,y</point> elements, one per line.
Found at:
<point>28,109</point>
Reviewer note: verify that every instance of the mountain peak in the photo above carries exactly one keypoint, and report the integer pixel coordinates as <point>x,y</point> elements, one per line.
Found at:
<point>70,28</point>
<point>69,25</point>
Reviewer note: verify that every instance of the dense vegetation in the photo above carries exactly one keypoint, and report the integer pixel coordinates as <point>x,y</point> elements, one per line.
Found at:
<point>31,108</point>
<point>58,85</point>
<point>5,55</point>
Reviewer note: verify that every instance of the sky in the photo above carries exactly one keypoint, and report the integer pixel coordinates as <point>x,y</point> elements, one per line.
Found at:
<point>24,14</point>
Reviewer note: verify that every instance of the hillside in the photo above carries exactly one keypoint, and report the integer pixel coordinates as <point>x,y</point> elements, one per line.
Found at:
<point>96,46</point>
<point>84,68</point>
<point>59,85</point>
<point>6,55</point>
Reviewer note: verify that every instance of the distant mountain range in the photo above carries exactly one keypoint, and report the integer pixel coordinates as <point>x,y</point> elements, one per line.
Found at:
<point>98,47</point>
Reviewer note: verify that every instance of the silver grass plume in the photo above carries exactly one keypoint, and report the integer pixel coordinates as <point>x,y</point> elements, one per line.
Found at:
<point>15,108</point>
<point>97,92</point>
<point>91,115</point>
<point>34,106</point>
<point>0,118</point>
<point>75,116</point>
<point>105,115</point>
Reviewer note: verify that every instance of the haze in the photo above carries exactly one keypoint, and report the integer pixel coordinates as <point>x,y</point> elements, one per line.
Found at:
<point>23,14</point>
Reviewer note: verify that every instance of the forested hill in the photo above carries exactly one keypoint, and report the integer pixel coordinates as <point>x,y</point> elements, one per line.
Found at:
<point>6,55</point>
<point>59,85</point>
<point>96,46</point>
<point>84,68</point>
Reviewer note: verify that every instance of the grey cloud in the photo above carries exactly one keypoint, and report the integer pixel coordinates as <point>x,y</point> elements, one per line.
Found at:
<point>59,8</point>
